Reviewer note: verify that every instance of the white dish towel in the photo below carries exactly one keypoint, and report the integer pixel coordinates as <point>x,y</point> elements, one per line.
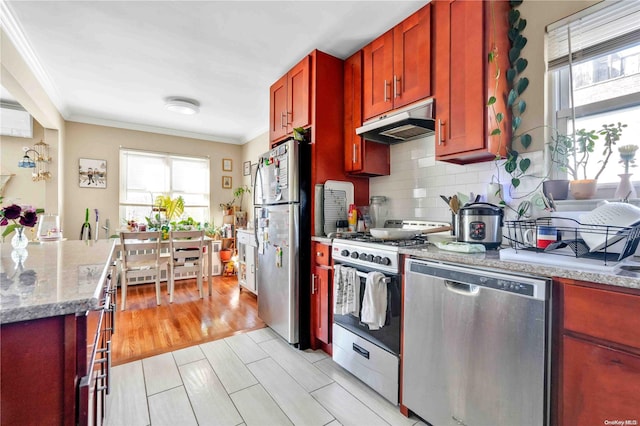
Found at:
<point>374,301</point>
<point>346,297</point>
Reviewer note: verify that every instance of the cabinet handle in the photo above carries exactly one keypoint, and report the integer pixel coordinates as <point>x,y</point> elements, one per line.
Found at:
<point>319,254</point>
<point>353,158</point>
<point>313,283</point>
<point>282,118</point>
<point>441,139</point>
<point>396,92</point>
<point>386,98</point>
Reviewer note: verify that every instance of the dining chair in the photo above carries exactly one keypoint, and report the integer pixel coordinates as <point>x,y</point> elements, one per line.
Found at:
<point>140,256</point>
<point>186,255</point>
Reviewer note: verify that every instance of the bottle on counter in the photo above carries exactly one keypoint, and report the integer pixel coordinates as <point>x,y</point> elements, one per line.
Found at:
<point>352,218</point>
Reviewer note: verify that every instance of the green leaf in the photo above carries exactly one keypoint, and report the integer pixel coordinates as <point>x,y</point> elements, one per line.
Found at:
<point>512,34</point>
<point>512,97</point>
<point>510,165</point>
<point>524,164</point>
<point>515,182</point>
<point>496,132</point>
<point>9,229</point>
<point>522,25</point>
<point>522,85</point>
<point>520,42</point>
<point>521,64</point>
<point>514,54</point>
<point>491,101</point>
<point>499,117</point>
<point>511,74</point>
<point>514,15</point>
<point>515,3</point>
<point>522,105</point>
<point>515,123</point>
<point>525,140</point>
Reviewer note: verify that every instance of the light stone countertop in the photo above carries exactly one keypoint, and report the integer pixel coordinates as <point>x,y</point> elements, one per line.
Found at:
<point>491,259</point>
<point>56,278</point>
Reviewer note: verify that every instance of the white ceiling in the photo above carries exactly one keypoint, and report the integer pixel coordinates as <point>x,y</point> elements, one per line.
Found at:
<point>114,62</point>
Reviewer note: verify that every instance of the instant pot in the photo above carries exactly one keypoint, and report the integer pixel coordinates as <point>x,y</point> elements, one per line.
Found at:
<point>481,223</point>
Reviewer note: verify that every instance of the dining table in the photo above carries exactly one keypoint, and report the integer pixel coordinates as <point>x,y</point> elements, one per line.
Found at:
<point>164,246</point>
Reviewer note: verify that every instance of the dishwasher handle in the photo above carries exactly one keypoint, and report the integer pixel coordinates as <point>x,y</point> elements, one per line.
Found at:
<point>462,288</point>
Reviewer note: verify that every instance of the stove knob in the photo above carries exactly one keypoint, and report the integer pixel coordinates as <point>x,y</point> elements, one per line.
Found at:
<point>385,261</point>
<point>354,255</point>
<point>344,253</point>
<point>370,258</point>
<point>377,259</point>
<point>363,256</point>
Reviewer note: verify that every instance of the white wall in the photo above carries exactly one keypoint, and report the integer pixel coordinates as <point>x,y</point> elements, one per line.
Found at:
<point>417,180</point>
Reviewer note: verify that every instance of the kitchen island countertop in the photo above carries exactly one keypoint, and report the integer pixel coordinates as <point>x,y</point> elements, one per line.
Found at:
<point>55,278</point>
<point>491,259</point>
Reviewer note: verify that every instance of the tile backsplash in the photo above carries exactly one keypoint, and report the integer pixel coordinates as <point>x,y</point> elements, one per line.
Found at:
<point>417,180</point>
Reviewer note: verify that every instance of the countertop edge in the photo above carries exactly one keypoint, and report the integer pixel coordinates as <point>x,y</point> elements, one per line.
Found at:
<point>620,279</point>
<point>47,311</point>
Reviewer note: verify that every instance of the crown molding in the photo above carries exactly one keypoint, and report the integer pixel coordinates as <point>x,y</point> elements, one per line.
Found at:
<point>14,31</point>
<point>153,129</point>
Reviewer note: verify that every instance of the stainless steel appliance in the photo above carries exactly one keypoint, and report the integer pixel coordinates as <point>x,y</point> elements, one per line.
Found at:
<point>404,124</point>
<point>282,231</point>
<point>476,346</point>
<point>373,355</point>
<point>481,223</point>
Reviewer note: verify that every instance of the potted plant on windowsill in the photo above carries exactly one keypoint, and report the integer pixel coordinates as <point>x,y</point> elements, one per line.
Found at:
<point>572,155</point>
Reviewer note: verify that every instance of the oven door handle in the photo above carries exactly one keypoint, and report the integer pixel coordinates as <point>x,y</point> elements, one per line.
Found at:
<point>387,280</point>
<point>361,351</point>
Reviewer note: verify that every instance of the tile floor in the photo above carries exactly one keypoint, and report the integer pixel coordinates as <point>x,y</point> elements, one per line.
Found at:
<point>249,379</point>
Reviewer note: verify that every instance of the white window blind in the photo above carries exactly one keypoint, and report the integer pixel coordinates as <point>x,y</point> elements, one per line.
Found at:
<point>595,31</point>
<point>145,175</point>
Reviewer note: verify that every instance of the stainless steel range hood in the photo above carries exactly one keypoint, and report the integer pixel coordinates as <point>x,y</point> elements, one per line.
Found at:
<point>413,122</point>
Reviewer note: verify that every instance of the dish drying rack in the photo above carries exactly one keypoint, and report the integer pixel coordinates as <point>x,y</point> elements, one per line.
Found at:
<point>570,241</point>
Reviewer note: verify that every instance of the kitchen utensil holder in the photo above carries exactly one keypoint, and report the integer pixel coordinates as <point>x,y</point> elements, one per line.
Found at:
<point>570,243</point>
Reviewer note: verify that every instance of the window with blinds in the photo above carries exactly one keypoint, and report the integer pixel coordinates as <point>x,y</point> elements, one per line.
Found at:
<point>593,58</point>
<point>145,175</point>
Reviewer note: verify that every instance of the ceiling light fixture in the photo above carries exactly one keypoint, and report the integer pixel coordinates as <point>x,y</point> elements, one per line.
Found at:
<point>182,106</point>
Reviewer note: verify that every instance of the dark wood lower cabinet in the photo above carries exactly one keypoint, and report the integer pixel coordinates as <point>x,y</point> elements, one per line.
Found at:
<point>45,365</point>
<point>597,367</point>
<point>599,384</point>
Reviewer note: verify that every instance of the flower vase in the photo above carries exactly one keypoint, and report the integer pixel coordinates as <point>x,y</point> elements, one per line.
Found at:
<point>625,189</point>
<point>19,240</point>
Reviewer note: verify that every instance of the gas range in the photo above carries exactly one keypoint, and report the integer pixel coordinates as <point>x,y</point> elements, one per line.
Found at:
<point>362,249</point>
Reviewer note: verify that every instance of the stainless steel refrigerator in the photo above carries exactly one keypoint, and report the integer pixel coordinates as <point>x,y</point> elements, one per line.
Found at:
<point>282,215</point>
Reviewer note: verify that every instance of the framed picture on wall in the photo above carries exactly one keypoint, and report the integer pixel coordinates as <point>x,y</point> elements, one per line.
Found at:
<point>227,164</point>
<point>226,182</point>
<point>92,173</point>
<point>246,168</point>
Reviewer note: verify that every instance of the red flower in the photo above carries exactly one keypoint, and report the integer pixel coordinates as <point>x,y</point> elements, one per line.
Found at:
<point>4,221</point>
<point>29,218</point>
<point>12,211</point>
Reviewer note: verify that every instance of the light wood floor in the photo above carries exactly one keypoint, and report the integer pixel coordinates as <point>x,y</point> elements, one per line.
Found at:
<point>252,379</point>
<point>145,329</point>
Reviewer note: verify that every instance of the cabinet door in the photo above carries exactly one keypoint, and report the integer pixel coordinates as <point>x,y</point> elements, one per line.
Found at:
<point>461,127</point>
<point>298,95</point>
<point>377,76</point>
<point>599,384</point>
<point>352,112</point>
<point>278,109</point>
<point>320,301</point>
<point>412,58</point>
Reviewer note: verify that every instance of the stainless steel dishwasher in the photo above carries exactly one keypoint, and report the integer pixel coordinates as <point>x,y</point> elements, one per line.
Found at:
<point>476,346</point>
